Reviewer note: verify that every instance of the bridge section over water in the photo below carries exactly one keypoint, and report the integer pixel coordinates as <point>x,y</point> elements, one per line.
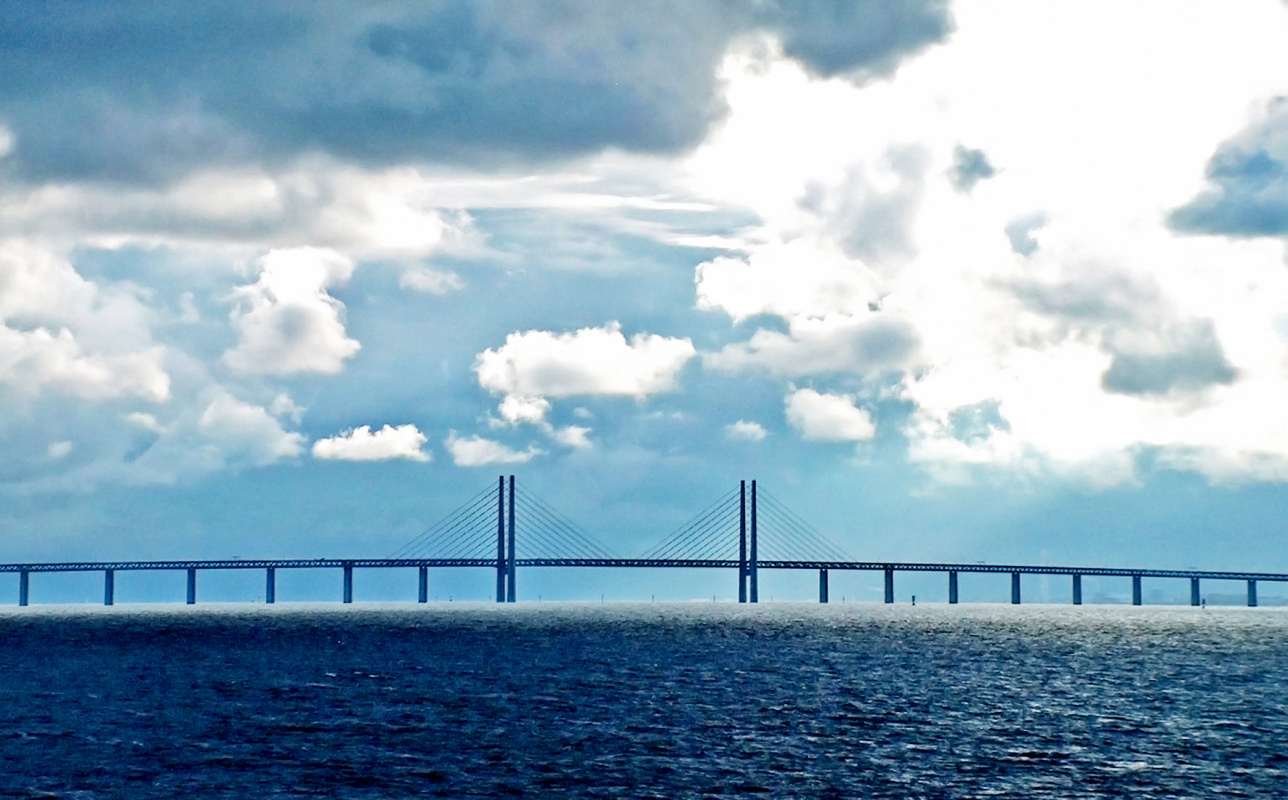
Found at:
<point>736,532</point>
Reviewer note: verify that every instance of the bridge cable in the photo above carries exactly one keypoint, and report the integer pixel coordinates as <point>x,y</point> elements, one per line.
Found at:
<point>465,536</point>
<point>556,531</point>
<point>704,538</point>
<point>448,525</point>
<point>695,529</point>
<point>799,532</point>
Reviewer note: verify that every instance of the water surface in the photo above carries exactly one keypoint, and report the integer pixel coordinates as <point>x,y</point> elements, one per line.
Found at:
<point>643,700</point>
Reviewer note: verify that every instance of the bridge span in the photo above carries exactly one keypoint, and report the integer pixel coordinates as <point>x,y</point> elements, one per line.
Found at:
<point>696,545</point>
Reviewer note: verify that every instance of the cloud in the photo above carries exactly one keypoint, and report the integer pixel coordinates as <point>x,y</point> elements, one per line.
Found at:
<point>860,40</point>
<point>479,452</point>
<point>37,360</point>
<point>787,279</point>
<point>520,410</point>
<point>1019,232</point>
<point>969,168</point>
<point>1156,350</point>
<point>574,436</point>
<point>828,417</point>
<point>62,333</point>
<point>466,82</point>
<point>871,213</point>
<point>1187,357</point>
<point>313,201</point>
<point>428,281</point>
<point>745,431</point>
<point>862,344</point>
<point>245,432</point>
<point>516,409</point>
<point>286,320</point>
<point>360,444</point>
<point>590,361</point>
<point>1247,182</point>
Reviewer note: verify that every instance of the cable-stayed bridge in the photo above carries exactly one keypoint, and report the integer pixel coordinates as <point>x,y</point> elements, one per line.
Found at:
<point>747,530</point>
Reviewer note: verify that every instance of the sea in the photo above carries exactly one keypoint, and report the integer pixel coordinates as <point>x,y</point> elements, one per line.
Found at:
<point>648,700</point>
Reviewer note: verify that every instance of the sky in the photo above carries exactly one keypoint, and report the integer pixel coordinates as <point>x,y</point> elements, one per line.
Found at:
<point>984,280</point>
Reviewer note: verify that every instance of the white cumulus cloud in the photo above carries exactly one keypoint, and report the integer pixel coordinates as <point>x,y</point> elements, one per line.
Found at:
<point>63,333</point>
<point>286,320</point>
<point>742,430</point>
<point>828,417</point>
<point>360,444</point>
<point>591,361</point>
<point>476,451</point>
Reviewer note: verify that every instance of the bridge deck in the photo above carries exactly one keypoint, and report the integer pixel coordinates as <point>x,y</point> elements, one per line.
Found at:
<point>879,566</point>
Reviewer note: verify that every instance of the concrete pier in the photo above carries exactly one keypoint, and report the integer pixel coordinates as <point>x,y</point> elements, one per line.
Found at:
<point>1135,590</point>
<point>889,585</point>
<point>348,583</point>
<point>192,586</point>
<point>270,585</point>
<point>1015,588</point>
<point>1252,594</point>
<point>1077,590</point>
<point>24,584</point>
<point>952,587</point>
<point>1195,599</point>
<point>109,587</point>
<point>422,593</point>
<point>822,586</point>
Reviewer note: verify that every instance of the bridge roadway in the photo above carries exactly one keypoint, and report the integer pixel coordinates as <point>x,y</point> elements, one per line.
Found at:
<point>109,568</point>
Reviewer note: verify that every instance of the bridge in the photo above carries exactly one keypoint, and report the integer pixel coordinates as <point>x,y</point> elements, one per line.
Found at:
<point>736,532</point>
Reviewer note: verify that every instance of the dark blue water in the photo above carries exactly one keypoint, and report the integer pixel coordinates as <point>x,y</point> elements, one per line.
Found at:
<point>667,701</point>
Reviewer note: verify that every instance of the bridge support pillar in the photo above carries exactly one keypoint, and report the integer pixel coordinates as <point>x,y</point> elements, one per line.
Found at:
<point>822,586</point>
<point>1135,590</point>
<point>1252,594</point>
<point>270,585</point>
<point>500,539</point>
<point>1077,589</point>
<point>422,592</point>
<point>510,591</point>
<point>24,583</point>
<point>1015,588</point>
<point>348,583</point>
<point>109,587</point>
<point>751,566</point>
<point>952,587</point>
<point>192,586</point>
<point>1194,592</point>
<point>742,541</point>
<point>889,585</point>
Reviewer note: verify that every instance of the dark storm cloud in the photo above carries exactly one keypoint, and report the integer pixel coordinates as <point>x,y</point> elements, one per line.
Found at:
<point>969,168</point>
<point>141,91</point>
<point>1247,192</point>
<point>1189,358</point>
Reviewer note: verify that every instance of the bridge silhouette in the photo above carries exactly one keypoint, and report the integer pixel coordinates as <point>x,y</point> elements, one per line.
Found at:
<point>746,530</point>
